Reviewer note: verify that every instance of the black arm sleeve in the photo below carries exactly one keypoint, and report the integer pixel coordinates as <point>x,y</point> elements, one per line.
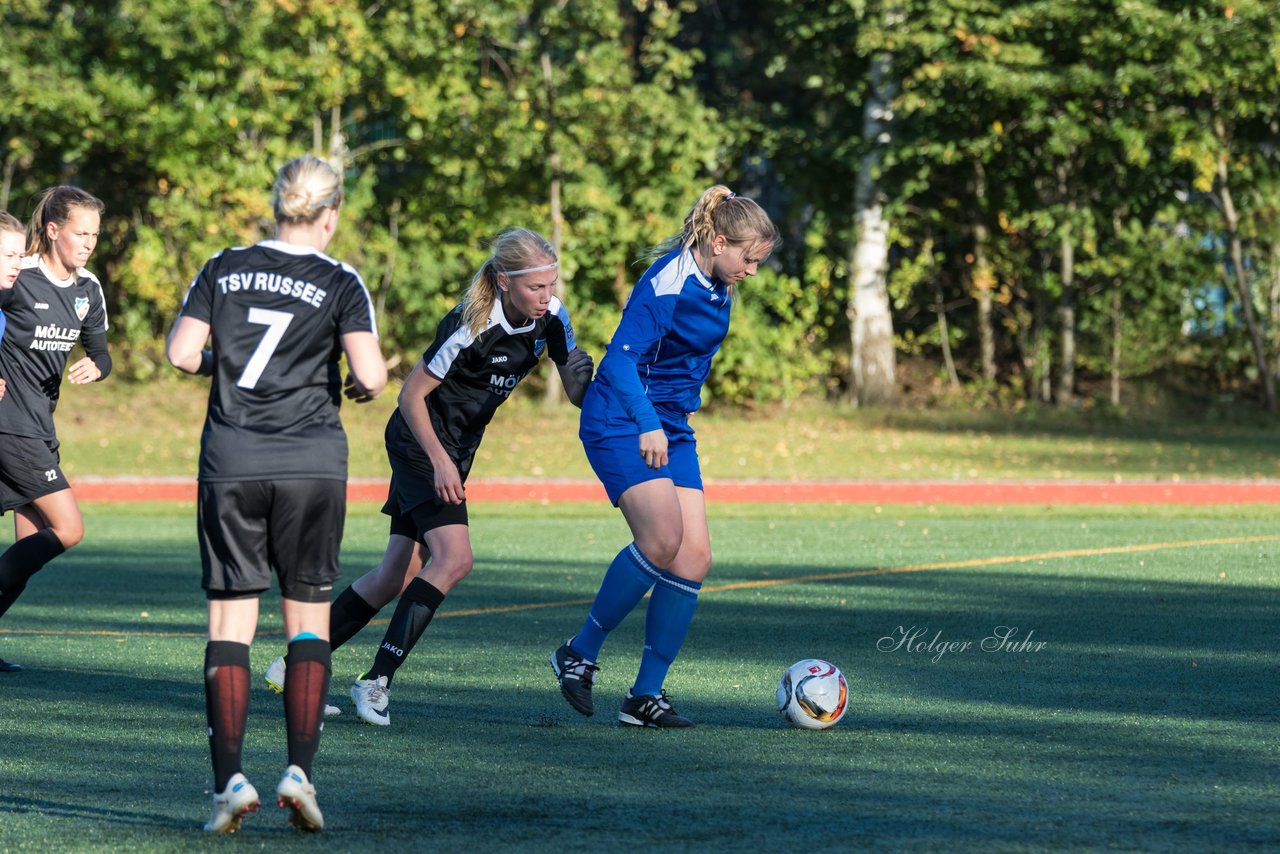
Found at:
<point>95,347</point>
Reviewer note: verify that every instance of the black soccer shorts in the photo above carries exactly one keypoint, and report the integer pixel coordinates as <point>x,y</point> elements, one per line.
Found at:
<point>412,502</point>
<point>29,470</point>
<point>252,528</point>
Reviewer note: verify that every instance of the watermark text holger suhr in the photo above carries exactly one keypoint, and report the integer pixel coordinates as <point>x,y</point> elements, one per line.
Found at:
<point>919,639</point>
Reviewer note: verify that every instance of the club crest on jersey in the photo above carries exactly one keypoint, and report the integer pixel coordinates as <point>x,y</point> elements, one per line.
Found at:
<point>82,307</point>
<point>539,344</point>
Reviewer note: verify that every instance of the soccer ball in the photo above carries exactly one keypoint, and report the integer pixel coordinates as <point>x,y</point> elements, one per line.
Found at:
<point>813,694</point>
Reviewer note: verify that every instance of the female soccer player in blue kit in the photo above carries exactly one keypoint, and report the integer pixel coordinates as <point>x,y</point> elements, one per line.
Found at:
<point>635,430</point>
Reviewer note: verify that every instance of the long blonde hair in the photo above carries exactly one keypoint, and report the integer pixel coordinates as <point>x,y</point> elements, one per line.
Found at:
<point>719,210</point>
<point>516,249</point>
<point>55,206</point>
<point>305,187</point>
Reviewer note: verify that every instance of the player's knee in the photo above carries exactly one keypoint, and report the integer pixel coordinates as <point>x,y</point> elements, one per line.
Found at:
<point>69,534</point>
<point>661,547</point>
<point>444,574</point>
<point>693,563</point>
<point>462,567</point>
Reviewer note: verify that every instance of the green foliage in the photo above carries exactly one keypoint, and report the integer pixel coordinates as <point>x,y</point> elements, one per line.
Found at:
<point>1017,126</point>
<point>772,354</point>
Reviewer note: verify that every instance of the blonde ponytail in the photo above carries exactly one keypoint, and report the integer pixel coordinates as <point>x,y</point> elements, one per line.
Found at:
<point>719,210</point>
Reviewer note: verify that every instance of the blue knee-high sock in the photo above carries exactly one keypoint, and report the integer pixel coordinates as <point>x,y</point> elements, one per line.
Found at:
<point>626,581</point>
<point>665,625</point>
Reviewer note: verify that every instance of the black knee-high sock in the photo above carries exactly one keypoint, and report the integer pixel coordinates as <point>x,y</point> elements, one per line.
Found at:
<point>226,700</point>
<point>348,615</point>
<point>418,604</point>
<point>26,557</point>
<point>9,596</point>
<point>306,685</point>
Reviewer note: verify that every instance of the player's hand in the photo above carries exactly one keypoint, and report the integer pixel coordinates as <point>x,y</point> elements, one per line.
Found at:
<point>653,447</point>
<point>83,371</point>
<point>449,484</point>
<point>580,363</point>
<point>2,387</point>
<point>354,391</point>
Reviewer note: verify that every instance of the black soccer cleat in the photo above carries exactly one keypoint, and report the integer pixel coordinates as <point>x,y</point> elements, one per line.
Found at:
<point>651,710</point>
<point>576,676</point>
<point>9,666</point>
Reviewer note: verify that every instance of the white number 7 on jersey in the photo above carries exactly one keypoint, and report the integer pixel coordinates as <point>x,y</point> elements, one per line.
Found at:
<point>276,322</point>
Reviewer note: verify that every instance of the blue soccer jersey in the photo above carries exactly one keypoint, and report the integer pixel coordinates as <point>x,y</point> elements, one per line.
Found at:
<point>672,325</point>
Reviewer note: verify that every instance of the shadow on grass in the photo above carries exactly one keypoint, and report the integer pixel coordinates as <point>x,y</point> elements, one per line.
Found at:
<point>65,811</point>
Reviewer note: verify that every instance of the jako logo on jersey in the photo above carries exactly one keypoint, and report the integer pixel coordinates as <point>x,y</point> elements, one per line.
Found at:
<point>41,306</point>
<point>498,360</point>
<point>82,307</point>
<point>394,650</point>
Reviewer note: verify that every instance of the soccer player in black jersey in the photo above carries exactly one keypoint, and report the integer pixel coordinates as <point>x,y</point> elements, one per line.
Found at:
<point>483,348</point>
<point>273,466</point>
<point>52,303</point>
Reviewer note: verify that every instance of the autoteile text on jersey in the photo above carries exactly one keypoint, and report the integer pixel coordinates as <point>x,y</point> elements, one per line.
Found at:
<point>54,338</point>
<point>273,283</point>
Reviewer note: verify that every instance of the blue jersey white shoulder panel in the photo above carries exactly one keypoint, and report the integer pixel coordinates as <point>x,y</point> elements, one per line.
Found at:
<point>672,325</point>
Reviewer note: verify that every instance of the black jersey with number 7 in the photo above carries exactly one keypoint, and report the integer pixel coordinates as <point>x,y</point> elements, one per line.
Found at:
<point>277,312</point>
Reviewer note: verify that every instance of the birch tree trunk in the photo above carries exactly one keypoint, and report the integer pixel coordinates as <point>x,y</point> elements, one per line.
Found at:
<point>1117,320</point>
<point>1226,203</point>
<point>1117,327</point>
<point>944,334</point>
<point>872,364</point>
<point>1067,321</point>
<point>1243,293</point>
<point>983,279</point>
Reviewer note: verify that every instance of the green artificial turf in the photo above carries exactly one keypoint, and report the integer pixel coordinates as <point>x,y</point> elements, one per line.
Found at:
<point>1146,720</point>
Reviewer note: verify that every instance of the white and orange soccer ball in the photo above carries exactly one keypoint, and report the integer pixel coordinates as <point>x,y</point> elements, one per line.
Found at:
<point>813,694</point>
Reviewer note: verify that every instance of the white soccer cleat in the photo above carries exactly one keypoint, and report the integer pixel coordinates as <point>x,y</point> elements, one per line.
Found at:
<point>371,697</point>
<point>298,795</point>
<point>274,676</point>
<point>230,806</point>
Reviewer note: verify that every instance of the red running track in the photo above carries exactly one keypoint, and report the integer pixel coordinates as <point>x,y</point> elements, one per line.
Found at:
<point>841,492</point>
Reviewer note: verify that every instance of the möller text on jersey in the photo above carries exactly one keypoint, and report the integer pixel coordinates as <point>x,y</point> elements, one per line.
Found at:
<point>53,338</point>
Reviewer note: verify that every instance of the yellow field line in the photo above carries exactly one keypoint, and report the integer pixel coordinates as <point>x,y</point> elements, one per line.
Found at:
<point>996,561</point>
<point>749,585</point>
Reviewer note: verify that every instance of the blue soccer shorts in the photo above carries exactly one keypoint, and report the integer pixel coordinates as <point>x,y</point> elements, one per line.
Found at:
<point>617,461</point>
